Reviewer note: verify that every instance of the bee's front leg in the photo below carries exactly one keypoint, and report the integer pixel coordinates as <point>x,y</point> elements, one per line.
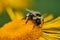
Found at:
<point>27,21</point>
<point>23,18</point>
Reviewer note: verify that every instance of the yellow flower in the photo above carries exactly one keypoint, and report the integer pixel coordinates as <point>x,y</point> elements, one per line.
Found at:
<point>18,30</point>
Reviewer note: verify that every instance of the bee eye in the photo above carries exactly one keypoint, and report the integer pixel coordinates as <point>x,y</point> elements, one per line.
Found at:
<point>38,15</point>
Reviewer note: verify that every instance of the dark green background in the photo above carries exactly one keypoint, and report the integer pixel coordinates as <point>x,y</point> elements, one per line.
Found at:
<point>44,6</point>
<point>48,6</point>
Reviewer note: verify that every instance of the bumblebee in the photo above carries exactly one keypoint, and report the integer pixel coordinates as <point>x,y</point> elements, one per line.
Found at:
<point>35,17</point>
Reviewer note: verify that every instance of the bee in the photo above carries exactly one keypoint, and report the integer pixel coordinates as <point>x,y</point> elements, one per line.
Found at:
<point>36,17</point>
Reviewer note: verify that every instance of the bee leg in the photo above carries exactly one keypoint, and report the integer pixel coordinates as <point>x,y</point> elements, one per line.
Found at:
<point>33,26</point>
<point>39,26</point>
<point>23,18</point>
<point>26,21</point>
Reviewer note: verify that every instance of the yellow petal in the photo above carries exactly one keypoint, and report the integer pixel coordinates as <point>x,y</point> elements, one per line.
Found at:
<point>2,5</point>
<point>10,13</point>
<point>18,3</point>
<point>18,15</point>
<point>57,36</point>
<point>56,19</point>
<point>53,23</point>
<point>46,37</point>
<point>49,17</point>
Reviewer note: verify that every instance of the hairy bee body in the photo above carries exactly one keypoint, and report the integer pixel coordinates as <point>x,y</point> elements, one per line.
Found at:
<point>35,17</point>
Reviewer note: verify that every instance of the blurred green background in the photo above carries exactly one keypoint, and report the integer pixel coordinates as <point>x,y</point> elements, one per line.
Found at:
<point>48,6</point>
<point>44,6</point>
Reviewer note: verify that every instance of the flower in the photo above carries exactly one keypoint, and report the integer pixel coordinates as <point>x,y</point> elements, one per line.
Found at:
<point>18,30</point>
